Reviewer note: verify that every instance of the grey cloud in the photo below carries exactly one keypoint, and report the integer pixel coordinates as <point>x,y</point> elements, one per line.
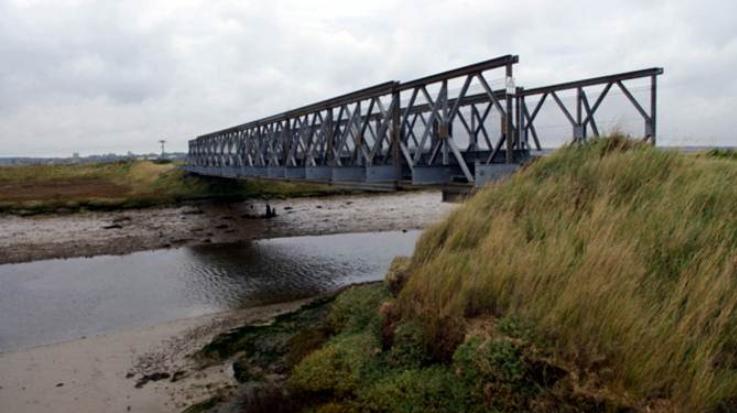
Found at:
<point>89,76</point>
<point>71,53</point>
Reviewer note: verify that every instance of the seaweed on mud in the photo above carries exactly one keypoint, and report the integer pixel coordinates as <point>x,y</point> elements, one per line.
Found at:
<point>269,343</point>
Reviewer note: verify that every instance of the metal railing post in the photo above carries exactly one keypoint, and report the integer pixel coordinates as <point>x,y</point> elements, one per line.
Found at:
<point>396,136</point>
<point>653,109</point>
<point>509,124</point>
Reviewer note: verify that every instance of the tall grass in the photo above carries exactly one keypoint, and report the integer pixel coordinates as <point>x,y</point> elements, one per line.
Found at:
<point>37,173</point>
<point>43,188</point>
<point>623,257</point>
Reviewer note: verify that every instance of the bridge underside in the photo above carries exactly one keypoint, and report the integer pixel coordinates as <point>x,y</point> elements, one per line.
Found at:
<point>447,128</point>
<point>380,176</point>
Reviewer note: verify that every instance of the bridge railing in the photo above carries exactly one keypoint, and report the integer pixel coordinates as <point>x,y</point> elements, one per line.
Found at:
<point>582,116</point>
<point>435,147</point>
<point>425,130</point>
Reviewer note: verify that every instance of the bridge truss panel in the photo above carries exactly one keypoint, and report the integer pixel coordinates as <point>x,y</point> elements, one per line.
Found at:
<point>446,126</point>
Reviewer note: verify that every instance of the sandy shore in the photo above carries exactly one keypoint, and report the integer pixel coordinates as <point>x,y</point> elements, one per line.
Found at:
<point>99,374</point>
<point>122,232</point>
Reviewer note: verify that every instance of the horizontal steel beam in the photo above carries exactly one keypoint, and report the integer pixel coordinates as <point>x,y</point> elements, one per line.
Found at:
<point>366,93</point>
<point>370,92</point>
<point>461,71</point>
<point>655,71</point>
<point>465,101</point>
<point>425,107</point>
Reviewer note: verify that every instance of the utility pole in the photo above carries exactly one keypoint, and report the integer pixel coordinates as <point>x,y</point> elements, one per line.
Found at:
<point>162,142</point>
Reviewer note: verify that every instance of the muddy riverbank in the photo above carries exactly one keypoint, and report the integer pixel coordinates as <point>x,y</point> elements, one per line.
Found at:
<point>137,370</point>
<point>96,233</point>
<point>147,369</point>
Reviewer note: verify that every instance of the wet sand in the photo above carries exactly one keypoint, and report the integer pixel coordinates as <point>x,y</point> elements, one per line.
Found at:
<point>121,232</point>
<point>99,374</point>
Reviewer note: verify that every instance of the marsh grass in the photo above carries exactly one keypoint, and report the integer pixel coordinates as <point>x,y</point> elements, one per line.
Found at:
<point>722,153</point>
<point>618,254</point>
<point>46,188</point>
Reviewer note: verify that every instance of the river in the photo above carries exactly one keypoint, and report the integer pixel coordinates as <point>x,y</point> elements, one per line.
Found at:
<point>48,301</point>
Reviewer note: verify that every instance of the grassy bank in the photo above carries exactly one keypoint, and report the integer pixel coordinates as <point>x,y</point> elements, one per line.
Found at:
<point>602,278</point>
<point>48,188</point>
<point>620,259</point>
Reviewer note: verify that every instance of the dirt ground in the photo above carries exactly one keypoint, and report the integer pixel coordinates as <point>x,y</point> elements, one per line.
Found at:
<point>95,233</point>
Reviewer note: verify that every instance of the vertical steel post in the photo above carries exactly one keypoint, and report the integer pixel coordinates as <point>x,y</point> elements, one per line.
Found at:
<point>509,127</point>
<point>396,137</point>
<point>444,134</point>
<point>474,138</point>
<point>518,117</point>
<point>286,146</point>
<point>653,108</point>
<point>578,133</point>
<point>330,130</point>
<point>355,158</point>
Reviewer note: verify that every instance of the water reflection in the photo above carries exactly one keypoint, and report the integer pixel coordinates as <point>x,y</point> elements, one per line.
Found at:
<point>54,300</point>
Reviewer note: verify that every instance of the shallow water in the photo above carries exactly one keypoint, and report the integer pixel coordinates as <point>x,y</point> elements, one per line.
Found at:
<point>48,301</point>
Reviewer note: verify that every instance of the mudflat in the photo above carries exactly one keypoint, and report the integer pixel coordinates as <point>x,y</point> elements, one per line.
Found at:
<point>139,370</point>
<point>121,232</point>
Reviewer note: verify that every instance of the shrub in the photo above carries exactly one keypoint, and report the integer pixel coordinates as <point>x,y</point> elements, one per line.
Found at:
<point>357,307</point>
<point>433,389</point>
<point>409,347</point>
<point>516,328</point>
<point>496,372</point>
<point>336,368</point>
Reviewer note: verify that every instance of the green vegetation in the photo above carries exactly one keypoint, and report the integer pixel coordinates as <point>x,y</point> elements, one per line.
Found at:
<point>351,353</point>
<point>276,346</point>
<point>383,364</point>
<point>602,278</point>
<point>47,188</point>
<point>620,256</point>
<point>722,153</point>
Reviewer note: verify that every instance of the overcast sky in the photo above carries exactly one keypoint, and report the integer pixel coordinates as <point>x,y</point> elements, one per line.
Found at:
<point>112,76</point>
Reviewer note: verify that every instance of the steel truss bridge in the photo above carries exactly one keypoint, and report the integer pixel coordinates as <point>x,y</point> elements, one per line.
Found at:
<point>421,132</point>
